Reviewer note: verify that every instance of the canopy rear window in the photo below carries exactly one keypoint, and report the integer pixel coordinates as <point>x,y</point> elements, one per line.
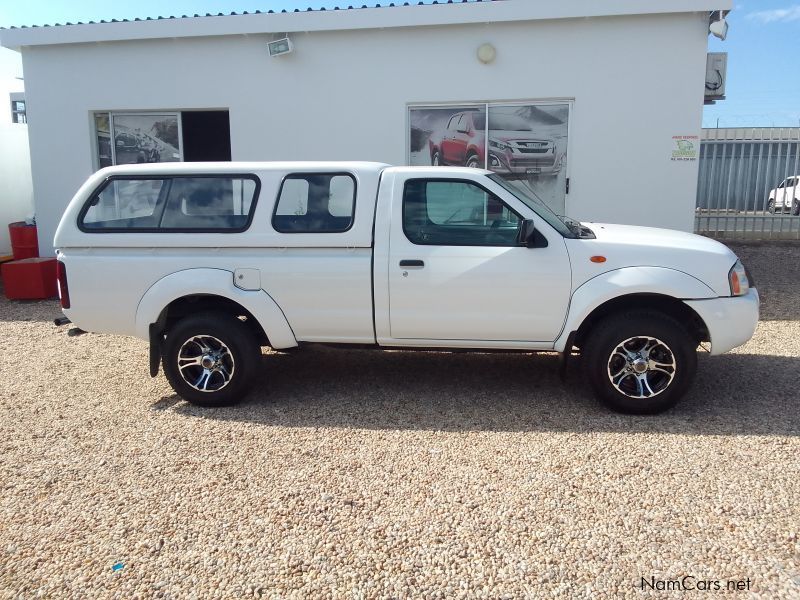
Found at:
<point>219,203</point>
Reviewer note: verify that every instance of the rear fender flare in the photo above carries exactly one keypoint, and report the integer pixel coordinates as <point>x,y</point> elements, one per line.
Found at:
<point>216,282</point>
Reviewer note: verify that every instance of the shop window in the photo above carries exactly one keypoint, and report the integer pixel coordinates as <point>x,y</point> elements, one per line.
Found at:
<point>157,137</point>
<point>18,114</point>
<point>525,143</point>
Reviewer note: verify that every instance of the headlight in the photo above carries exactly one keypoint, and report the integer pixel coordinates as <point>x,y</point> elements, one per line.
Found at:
<point>737,277</point>
<point>499,145</point>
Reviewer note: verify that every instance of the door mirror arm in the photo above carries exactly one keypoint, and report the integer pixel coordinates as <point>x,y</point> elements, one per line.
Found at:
<point>529,236</point>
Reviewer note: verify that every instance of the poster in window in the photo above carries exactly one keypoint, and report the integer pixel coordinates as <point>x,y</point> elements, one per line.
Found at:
<point>428,128</point>
<point>524,143</point>
<point>527,145</point>
<point>146,138</point>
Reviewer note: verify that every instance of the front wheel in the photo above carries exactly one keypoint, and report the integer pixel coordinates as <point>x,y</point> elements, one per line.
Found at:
<point>771,206</point>
<point>472,162</point>
<point>640,362</point>
<point>796,207</point>
<point>210,359</point>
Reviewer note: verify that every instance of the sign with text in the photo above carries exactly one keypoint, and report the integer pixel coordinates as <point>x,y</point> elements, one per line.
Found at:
<point>685,147</point>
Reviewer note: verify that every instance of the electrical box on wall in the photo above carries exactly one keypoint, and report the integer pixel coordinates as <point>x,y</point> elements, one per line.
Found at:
<point>280,47</point>
<point>716,75</point>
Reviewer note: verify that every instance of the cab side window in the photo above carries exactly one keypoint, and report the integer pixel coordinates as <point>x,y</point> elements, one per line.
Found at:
<point>315,203</point>
<point>457,213</point>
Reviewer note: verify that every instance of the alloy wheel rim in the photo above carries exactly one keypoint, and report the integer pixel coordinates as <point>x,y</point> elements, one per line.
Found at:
<point>641,367</point>
<point>205,363</point>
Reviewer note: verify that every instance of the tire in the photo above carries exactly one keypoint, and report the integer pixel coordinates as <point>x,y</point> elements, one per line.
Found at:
<point>771,206</point>
<point>436,159</point>
<point>472,161</point>
<point>796,207</point>
<point>649,337</point>
<point>216,337</point>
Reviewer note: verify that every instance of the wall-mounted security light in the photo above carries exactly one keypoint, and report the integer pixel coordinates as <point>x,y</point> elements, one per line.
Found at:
<point>717,25</point>
<point>280,47</point>
<point>486,53</point>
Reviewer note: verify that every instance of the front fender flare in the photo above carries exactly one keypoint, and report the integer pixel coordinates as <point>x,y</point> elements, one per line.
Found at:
<point>624,282</point>
<point>217,282</point>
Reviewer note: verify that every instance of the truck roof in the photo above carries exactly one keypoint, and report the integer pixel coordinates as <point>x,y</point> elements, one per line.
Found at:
<point>189,168</point>
<point>186,168</point>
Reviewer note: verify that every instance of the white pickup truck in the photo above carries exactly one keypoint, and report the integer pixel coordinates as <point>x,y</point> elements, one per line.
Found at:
<point>211,261</point>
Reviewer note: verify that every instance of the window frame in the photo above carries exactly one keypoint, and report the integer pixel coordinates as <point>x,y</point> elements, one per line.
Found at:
<point>303,175</point>
<point>169,178</point>
<point>456,180</point>
<point>112,114</point>
<point>19,117</point>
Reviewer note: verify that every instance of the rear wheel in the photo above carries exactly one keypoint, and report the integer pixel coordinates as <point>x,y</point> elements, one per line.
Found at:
<point>210,359</point>
<point>796,207</point>
<point>472,161</point>
<point>771,206</point>
<point>640,362</point>
<point>436,159</point>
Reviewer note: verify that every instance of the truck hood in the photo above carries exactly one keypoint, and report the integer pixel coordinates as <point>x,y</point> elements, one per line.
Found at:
<point>631,246</point>
<point>653,236</point>
<point>505,135</point>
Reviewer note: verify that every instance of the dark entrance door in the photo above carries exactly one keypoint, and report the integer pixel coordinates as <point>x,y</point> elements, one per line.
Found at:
<point>206,135</point>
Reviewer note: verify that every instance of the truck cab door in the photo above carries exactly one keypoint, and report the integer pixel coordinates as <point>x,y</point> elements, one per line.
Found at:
<point>458,272</point>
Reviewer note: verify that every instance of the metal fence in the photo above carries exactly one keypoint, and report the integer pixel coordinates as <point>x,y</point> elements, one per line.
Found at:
<point>740,171</point>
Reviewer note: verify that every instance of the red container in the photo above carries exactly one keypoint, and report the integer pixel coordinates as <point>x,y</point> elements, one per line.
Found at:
<point>30,279</point>
<point>24,241</point>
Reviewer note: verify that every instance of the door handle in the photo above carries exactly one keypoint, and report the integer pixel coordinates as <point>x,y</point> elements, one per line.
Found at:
<point>412,264</point>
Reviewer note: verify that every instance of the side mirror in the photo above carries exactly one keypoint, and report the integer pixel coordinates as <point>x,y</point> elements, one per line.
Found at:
<point>529,236</point>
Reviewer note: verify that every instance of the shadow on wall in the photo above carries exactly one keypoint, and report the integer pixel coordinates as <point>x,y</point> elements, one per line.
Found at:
<point>734,394</point>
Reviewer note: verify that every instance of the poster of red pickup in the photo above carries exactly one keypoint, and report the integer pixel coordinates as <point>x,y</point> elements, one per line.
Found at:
<point>524,143</point>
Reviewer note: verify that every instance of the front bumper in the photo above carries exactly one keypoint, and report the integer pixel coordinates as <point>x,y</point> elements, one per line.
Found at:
<point>731,321</point>
<point>516,163</point>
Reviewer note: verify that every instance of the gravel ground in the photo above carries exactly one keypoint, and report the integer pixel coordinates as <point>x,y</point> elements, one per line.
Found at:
<point>367,474</point>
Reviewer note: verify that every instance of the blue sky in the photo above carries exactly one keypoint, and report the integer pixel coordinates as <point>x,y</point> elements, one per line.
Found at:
<point>763,47</point>
<point>763,86</point>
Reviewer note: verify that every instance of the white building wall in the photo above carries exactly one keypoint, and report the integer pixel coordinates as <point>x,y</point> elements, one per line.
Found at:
<point>16,191</point>
<point>636,81</point>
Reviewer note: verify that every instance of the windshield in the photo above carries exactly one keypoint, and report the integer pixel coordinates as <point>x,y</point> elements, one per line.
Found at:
<point>501,122</point>
<point>564,225</point>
